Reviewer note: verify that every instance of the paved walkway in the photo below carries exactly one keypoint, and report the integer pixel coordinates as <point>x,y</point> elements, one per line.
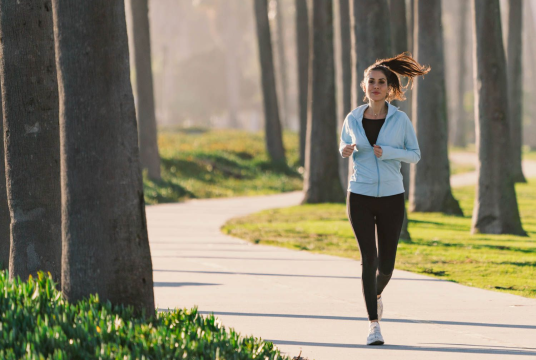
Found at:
<point>310,302</point>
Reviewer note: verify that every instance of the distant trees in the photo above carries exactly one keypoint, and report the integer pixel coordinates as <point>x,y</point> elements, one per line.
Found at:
<point>32,140</point>
<point>430,179</point>
<point>515,85</point>
<point>272,123</point>
<point>302,47</point>
<point>322,183</point>
<point>496,210</point>
<point>105,244</point>
<point>150,158</point>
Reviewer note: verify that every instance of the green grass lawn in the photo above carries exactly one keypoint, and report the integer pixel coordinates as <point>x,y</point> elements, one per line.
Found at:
<point>220,163</point>
<point>457,168</point>
<point>441,245</point>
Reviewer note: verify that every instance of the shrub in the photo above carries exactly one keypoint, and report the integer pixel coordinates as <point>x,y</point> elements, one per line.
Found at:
<point>37,323</point>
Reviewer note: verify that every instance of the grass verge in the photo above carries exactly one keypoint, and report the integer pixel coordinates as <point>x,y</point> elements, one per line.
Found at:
<point>199,163</point>
<point>36,323</point>
<point>441,245</point>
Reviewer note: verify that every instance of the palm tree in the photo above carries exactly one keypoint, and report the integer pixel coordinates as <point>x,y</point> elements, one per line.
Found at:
<point>4,209</point>
<point>495,210</point>
<point>346,72</point>
<point>32,142</point>
<point>515,85</point>
<point>302,47</point>
<point>282,62</point>
<point>430,178</point>
<point>105,244</point>
<point>372,41</point>
<point>460,131</point>
<point>272,124</point>
<point>322,182</point>
<point>399,42</point>
<point>150,158</point>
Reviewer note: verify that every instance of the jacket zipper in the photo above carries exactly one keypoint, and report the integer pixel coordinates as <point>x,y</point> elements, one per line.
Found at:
<point>378,170</point>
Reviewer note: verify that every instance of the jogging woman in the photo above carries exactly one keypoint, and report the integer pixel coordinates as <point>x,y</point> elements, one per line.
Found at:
<point>378,136</point>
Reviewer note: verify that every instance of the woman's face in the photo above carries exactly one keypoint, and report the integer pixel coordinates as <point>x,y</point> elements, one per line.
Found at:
<point>376,86</point>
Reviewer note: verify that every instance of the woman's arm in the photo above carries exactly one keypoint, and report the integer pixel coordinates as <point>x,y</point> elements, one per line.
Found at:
<point>411,152</point>
<point>346,139</point>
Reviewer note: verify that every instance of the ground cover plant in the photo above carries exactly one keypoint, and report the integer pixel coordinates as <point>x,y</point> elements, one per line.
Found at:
<point>441,245</point>
<point>201,163</point>
<point>36,323</point>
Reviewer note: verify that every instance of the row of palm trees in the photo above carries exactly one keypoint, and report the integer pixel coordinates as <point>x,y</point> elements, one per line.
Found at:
<point>73,200</point>
<point>374,29</point>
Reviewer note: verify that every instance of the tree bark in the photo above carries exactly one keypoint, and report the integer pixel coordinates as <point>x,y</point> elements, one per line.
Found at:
<point>430,178</point>
<point>399,42</point>
<point>302,47</point>
<point>322,183</point>
<point>460,128</point>
<point>272,124</point>
<point>31,143</point>
<point>105,244</point>
<point>282,62</point>
<point>372,41</point>
<point>530,131</point>
<point>150,158</point>
<point>515,86</point>
<point>5,218</point>
<point>495,210</point>
<point>346,72</point>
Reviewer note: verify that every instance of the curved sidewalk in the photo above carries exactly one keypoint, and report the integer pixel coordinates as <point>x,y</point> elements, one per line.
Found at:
<point>313,302</point>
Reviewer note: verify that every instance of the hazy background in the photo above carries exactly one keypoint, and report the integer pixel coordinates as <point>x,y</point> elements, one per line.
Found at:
<point>206,67</point>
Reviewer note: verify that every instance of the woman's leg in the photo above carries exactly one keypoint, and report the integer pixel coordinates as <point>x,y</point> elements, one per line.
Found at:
<point>389,222</point>
<point>361,218</point>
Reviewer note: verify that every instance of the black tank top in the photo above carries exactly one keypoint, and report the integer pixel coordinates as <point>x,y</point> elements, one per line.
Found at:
<point>372,129</point>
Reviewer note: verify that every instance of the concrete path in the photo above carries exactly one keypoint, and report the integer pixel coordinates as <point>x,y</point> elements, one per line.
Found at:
<point>309,302</point>
<point>469,178</point>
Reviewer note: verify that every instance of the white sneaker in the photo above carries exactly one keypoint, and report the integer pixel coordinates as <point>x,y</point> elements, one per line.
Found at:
<point>375,335</point>
<point>380,308</point>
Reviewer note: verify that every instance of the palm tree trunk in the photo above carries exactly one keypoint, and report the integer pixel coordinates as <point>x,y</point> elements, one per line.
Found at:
<point>150,158</point>
<point>282,62</point>
<point>530,131</point>
<point>105,245</point>
<point>322,183</point>
<point>302,46</point>
<point>346,72</point>
<point>32,143</point>
<point>272,124</point>
<point>372,41</point>
<point>495,210</point>
<point>515,85</point>
<point>5,219</point>
<point>430,178</point>
<point>399,42</point>
<point>460,128</point>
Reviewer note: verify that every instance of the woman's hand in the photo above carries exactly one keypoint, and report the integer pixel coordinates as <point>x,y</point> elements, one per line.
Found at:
<point>378,151</point>
<point>348,150</point>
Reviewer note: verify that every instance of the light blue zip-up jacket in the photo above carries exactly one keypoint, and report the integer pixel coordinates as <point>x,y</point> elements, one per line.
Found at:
<point>381,176</point>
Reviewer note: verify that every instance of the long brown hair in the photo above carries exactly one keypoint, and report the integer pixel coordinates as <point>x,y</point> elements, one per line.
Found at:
<point>400,65</point>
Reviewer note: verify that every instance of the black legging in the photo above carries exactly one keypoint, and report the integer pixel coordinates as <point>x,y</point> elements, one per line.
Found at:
<point>364,212</point>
